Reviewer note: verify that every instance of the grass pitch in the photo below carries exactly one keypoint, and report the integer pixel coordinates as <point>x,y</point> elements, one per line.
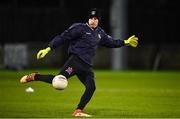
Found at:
<point>118,95</point>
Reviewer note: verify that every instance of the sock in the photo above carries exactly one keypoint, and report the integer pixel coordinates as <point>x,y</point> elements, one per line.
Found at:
<point>44,78</point>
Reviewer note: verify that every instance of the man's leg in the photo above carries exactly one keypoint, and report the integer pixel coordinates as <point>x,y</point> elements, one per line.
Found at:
<point>67,71</point>
<point>89,81</point>
<point>44,78</point>
<point>37,77</point>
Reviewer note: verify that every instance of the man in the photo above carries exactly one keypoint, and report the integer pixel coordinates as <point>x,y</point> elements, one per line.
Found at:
<point>83,41</point>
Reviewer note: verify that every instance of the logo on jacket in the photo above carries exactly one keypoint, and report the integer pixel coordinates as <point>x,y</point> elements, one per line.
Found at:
<point>88,33</point>
<point>109,36</point>
<point>99,36</point>
<point>69,70</point>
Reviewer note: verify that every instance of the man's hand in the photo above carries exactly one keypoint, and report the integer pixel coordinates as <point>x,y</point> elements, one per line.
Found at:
<point>132,41</point>
<point>42,53</point>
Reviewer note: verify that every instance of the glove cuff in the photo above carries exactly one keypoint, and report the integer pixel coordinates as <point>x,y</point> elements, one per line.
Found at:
<point>48,49</point>
<point>126,42</point>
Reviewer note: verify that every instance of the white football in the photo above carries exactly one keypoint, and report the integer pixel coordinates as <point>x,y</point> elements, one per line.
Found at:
<point>59,82</point>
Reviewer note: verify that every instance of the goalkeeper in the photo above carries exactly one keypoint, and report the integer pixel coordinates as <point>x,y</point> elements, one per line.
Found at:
<point>83,39</point>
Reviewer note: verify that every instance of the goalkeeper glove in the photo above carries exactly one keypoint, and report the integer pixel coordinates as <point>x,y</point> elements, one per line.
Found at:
<point>42,53</point>
<point>132,41</point>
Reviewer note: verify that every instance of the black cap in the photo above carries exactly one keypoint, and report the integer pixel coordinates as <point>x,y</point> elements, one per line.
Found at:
<point>94,12</point>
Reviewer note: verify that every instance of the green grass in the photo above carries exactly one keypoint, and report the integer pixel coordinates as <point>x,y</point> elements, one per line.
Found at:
<point>118,94</point>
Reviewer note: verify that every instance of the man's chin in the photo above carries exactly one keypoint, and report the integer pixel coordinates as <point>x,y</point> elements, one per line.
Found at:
<point>93,27</point>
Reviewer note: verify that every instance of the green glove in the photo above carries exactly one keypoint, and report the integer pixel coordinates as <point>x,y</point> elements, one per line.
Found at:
<point>132,41</point>
<point>42,53</point>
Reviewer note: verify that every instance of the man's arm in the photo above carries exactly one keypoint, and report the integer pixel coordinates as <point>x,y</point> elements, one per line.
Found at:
<point>108,41</point>
<point>69,34</point>
<point>73,32</point>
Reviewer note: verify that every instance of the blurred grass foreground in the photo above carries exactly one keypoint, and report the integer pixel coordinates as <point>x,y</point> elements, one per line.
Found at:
<point>125,94</point>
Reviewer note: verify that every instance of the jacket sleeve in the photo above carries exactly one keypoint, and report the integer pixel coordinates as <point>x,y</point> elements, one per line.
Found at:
<point>71,33</point>
<point>109,42</point>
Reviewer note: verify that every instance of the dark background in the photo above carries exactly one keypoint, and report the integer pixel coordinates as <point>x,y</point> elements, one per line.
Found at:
<point>154,21</point>
<point>36,22</point>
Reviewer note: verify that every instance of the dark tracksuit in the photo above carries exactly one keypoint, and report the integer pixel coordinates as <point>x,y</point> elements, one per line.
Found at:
<point>83,42</point>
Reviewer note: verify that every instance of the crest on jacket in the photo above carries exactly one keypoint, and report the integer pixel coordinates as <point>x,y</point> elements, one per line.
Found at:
<point>99,36</point>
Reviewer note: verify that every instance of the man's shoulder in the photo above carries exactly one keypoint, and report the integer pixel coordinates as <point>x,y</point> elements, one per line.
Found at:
<point>75,25</point>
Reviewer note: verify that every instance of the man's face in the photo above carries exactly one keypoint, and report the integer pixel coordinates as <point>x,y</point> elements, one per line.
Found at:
<point>93,22</point>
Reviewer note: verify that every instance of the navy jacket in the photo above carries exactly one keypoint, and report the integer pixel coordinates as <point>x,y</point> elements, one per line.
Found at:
<point>83,41</point>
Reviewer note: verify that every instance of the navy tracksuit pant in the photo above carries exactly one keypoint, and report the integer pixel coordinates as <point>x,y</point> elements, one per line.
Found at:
<point>75,66</point>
